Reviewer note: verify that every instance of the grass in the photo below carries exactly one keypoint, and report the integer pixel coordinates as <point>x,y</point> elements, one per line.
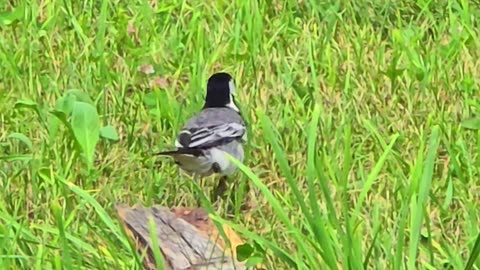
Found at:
<point>363,119</point>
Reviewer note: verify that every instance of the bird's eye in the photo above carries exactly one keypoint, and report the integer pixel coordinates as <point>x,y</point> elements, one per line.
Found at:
<point>231,86</point>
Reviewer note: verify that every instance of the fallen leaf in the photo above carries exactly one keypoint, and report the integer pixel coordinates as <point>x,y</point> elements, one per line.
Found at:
<point>145,129</point>
<point>131,30</point>
<point>159,82</point>
<point>41,14</point>
<point>471,123</point>
<point>248,205</point>
<point>146,69</point>
<point>217,66</point>
<point>154,4</point>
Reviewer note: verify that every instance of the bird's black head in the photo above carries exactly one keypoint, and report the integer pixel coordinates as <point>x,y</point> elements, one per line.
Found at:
<point>220,91</point>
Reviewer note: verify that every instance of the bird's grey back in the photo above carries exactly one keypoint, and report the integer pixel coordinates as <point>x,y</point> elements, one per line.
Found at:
<point>214,117</point>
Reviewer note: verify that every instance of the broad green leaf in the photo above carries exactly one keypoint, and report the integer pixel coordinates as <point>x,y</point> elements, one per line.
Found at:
<point>65,103</point>
<point>86,129</point>
<point>80,96</point>
<point>9,17</point>
<point>109,132</point>
<point>254,261</point>
<point>63,109</point>
<point>55,119</point>
<point>31,105</point>
<point>53,123</point>
<point>21,137</point>
<point>26,104</point>
<point>150,99</point>
<point>471,123</point>
<point>244,252</point>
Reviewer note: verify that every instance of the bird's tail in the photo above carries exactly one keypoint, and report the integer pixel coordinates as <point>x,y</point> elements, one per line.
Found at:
<point>180,151</point>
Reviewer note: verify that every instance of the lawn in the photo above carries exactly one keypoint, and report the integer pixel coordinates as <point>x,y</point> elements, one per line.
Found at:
<point>364,128</point>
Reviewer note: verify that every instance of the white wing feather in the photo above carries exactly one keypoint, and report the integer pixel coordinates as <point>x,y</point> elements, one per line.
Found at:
<point>212,135</point>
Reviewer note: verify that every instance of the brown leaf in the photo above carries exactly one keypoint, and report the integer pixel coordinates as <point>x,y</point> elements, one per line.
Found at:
<point>131,30</point>
<point>198,217</point>
<point>145,130</point>
<point>159,82</point>
<point>41,14</point>
<point>154,4</point>
<point>146,69</point>
<point>217,66</point>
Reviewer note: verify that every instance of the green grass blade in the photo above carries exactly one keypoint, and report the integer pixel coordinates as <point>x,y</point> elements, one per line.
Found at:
<point>293,231</point>
<point>423,193</point>
<point>402,223</point>
<point>268,129</point>
<point>100,211</point>
<point>66,257</point>
<point>157,254</point>
<point>279,252</point>
<point>403,70</point>
<point>474,254</point>
<point>328,243</point>
<point>311,156</point>
<point>374,173</point>
<point>368,254</point>
<point>415,173</point>
<point>317,222</point>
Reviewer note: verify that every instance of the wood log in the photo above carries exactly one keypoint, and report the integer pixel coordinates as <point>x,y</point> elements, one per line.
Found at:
<point>188,239</point>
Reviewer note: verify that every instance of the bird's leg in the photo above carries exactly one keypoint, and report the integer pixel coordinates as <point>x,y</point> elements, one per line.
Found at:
<point>221,188</point>
<point>198,179</point>
<point>240,199</point>
<point>216,168</point>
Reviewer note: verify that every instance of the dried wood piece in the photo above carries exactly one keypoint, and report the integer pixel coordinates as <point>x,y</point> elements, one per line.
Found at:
<point>187,237</point>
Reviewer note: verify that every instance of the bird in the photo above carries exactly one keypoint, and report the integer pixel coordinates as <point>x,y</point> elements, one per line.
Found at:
<point>217,128</point>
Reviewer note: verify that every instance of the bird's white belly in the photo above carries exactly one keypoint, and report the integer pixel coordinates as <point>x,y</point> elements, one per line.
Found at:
<point>203,165</point>
<point>194,165</point>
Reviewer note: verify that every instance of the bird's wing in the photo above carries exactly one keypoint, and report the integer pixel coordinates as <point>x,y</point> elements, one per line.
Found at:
<point>210,136</point>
